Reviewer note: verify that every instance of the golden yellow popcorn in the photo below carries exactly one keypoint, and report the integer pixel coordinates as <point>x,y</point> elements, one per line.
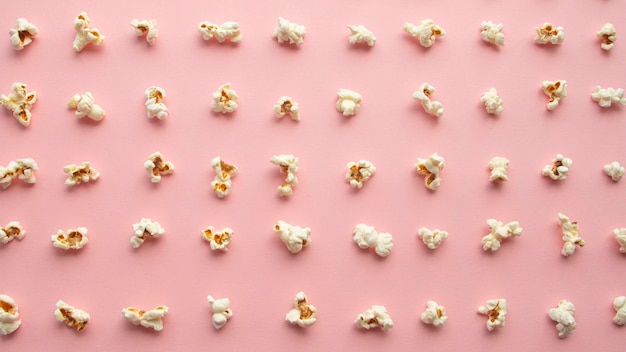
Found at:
<point>71,316</point>
<point>78,174</point>
<point>74,239</point>
<point>20,101</point>
<point>219,240</point>
<point>157,166</point>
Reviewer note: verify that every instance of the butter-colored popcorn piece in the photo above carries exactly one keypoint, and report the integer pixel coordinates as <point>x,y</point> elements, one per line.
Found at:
<point>614,170</point>
<point>423,94</point>
<point>377,316</point>
<point>608,36</point>
<point>147,28</point>
<point>431,238</point>
<point>349,102</point>
<point>366,237</point>
<point>492,33</point>
<point>570,235</point>
<point>289,32</point>
<point>287,106</point>
<point>223,173</point>
<point>288,166</point>
<point>498,232</point>
<point>224,99</point>
<point>294,237</point>
<point>20,101</point>
<point>605,97</point>
<point>430,168</point>
<point>558,169</point>
<point>154,103</point>
<point>147,318</point>
<point>549,33</point>
<point>495,310</point>
<point>555,90</point>
<point>434,314</point>
<point>84,34</point>
<point>13,230</point>
<point>85,106</point>
<point>23,33</point>
<point>9,315</point>
<point>22,169</point>
<point>619,304</point>
<point>157,167</point>
<point>303,314</point>
<point>79,174</point>
<point>426,32</point>
<point>620,237</point>
<point>493,103</point>
<point>71,316</point>
<point>221,311</point>
<point>498,166</point>
<point>359,172</point>
<point>563,316</point>
<point>144,229</point>
<point>226,31</point>
<point>74,239</point>
<point>360,34</point>
<point>219,240</point>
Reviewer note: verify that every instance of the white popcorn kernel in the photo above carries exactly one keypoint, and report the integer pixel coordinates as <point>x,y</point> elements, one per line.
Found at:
<point>22,34</point>
<point>154,103</point>
<point>84,34</point>
<point>85,106</point>
<point>605,97</point>
<point>303,314</point>
<point>219,240</point>
<point>498,232</point>
<point>79,174</point>
<point>71,316</point>
<point>563,316</point>
<point>555,90</point>
<point>157,167</point>
<point>423,94</point>
<point>286,106</point>
<point>619,304</point>
<point>493,103</point>
<point>147,28</point>
<point>498,166</point>
<point>374,317</point>
<point>366,237</point>
<point>20,101</point>
<point>144,229</point>
<point>431,238</point>
<point>74,239</point>
<point>23,169</point>
<point>288,166</point>
<point>289,32</point>
<point>294,237</point>
<point>221,311</point>
<point>558,169</point>
<point>147,318</point>
<point>492,33</point>
<point>495,309</point>
<point>430,168</point>
<point>614,170</point>
<point>620,237</point>
<point>426,32</point>
<point>13,230</point>
<point>224,99</point>
<point>548,33</point>
<point>570,235</point>
<point>608,36</point>
<point>434,314</point>
<point>226,31</point>
<point>223,173</point>
<point>360,34</point>
<point>9,315</point>
<point>359,172</point>
<point>349,102</point>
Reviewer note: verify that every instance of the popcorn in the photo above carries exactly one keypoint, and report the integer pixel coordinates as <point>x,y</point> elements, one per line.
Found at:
<point>614,170</point>
<point>555,91</point>
<point>219,240</point>
<point>9,315</point>
<point>303,313</point>
<point>498,166</point>
<point>431,238</point>
<point>22,34</point>
<point>20,101</point>
<point>563,316</point>
<point>570,235</point>
<point>294,237</point>
<point>286,106</point>
<point>74,239</point>
<point>224,99</point>
<point>11,231</point>
<point>423,94</point>
<point>620,237</point>
<point>154,103</point>
<point>72,317</point>
<point>548,33</point>
<point>78,174</point>
<point>147,28</point>
<point>148,319</point>
<point>498,232</point>
<point>559,169</point>
<point>157,166</point>
<point>608,36</point>
<point>223,173</point>
<point>434,314</point>
<point>493,103</point>
<point>492,33</point>
<point>23,169</point>
<point>619,304</point>
<point>495,309</point>
<point>360,34</point>
<point>426,32</point>
<point>84,34</point>
<point>349,102</point>
<point>359,172</point>
<point>288,166</point>
<point>144,229</point>
<point>221,311</point>
<point>605,97</point>
<point>289,32</point>
<point>430,168</point>
<point>85,106</point>
<point>366,237</point>
<point>226,31</point>
<point>376,316</point>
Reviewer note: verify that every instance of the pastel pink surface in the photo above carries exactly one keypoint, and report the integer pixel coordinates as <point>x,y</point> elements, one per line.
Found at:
<point>258,274</point>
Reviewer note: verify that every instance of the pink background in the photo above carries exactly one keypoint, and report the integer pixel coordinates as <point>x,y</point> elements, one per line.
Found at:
<point>258,274</point>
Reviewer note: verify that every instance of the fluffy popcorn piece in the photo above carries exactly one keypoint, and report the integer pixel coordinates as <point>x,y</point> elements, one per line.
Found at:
<point>360,34</point>
<point>349,102</point>
<point>605,97</point>
<point>498,232</point>
<point>548,33</point>
<point>226,31</point>
<point>620,237</point>
<point>303,314</point>
<point>366,237</point>
<point>9,315</point>
<point>84,34</point>
<point>224,99</point>
<point>426,32</point>
<point>559,169</point>
<point>144,229</point>
<point>608,36</point>
<point>71,316</point>
<point>79,174</point>
<point>22,34</point>
<point>157,167</point>
<point>147,318</point>
<point>154,103</point>
<point>286,106</point>
<point>431,238</point>
<point>374,317</point>
<point>11,231</point>
<point>223,173</point>
<point>294,237</point>
<point>20,101</point>
<point>619,304</point>
<point>289,32</point>
<point>495,310</point>
<point>493,103</point>
<point>614,170</point>
<point>74,239</point>
<point>288,166</point>
<point>430,168</point>
<point>563,316</point>
<point>492,33</point>
<point>359,172</point>
<point>221,311</point>
<point>434,314</point>
<point>219,240</point>
<point>423,94</point>
<point>570,235</point>
<point>23,169</point>
<point>85,106</point>
<point>555,90</point>
<point>147,28</point>
<point>498,166</point>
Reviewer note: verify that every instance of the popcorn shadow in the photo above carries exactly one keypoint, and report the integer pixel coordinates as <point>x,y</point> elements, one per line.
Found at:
<point>77,187</point>
<point>373,332</point>
<point>69,252</point>
<point>90,49</point>
<point>614,110</point>
<point>214,43</point>
<point>493,47</point>
<point>418,109</point>
<point>432,329</point>
<point>413,41</point>
<point>18,184</point>
<point>296,329</point>
<point>88,121</point>
<point>141,330</point>
<point>360,47</point>
<point>294,48</point>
